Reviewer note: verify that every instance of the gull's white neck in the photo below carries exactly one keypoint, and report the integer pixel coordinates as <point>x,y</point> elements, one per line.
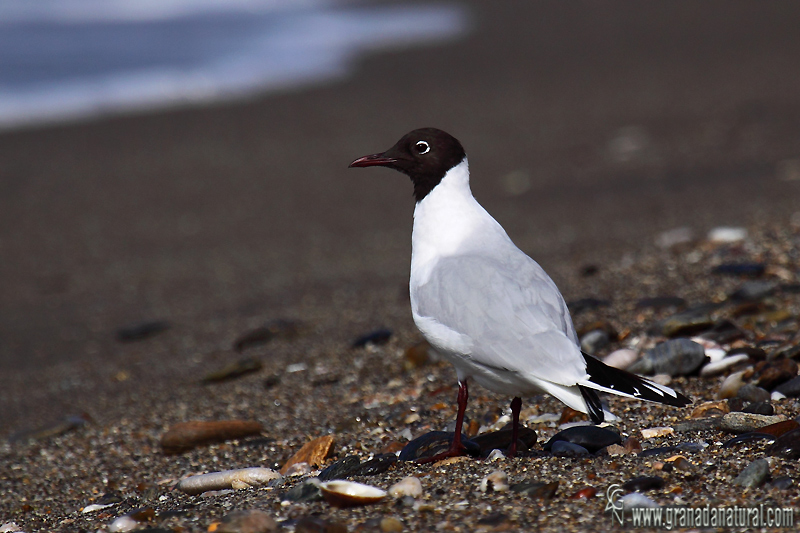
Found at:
<point>448,221</point>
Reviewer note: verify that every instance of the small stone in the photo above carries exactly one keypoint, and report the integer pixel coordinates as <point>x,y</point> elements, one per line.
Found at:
<point>316,524</point>
<point>636,500</point>
<point>751,291</point>
<point>228,479</point>
<point>743,422</point>
<point>777,373</point>
<point>594,341</point>
<point>710,409</point>
<point>778,429</point>
<point>408,486</point>
<point>650,433</point>
<point>246,365</point>
<point>391,524</point>
<point>699,424</point>
<point>688,322</point>
<point>497,481</point>
<point>252,521</point>
<point>754,474</point>
<point>614,450</point>
<point>790,389</point>
<point>632,445</point>
<point>307,491</point>
<point>718,367</point>
<point>727,234</point>
<point>643,484</point>
<point>375,338</point>
<point>592,438</point>
<point>622,358</point>
<point>751,393</point>
<point>675,236</point>
<point>298,469</point>
<point>782,483</point>
<point>760,408</point>
<point>145,330</point>
<point>187,435</point>
<point>752,270</point>
<point>276,329</point>
<point>122,524</point>
<point>731,385</point>
<point>786,446</point>
<point>676,357</point>
<point>313,452</point>
<point>540,490</point>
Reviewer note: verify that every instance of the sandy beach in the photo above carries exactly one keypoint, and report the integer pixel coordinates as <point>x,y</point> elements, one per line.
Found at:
<point>591,130</point>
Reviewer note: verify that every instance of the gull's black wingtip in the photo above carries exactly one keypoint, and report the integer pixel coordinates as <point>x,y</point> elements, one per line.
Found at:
<point>624,383</point>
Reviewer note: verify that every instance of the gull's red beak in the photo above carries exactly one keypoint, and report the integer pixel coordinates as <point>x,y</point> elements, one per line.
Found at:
<point>373,160</point>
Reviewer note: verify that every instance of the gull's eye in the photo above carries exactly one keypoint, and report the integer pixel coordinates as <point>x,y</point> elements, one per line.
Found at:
<point>422,147</point>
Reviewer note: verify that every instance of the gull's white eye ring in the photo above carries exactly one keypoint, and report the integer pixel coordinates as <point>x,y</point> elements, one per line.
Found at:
<point>422,147</point>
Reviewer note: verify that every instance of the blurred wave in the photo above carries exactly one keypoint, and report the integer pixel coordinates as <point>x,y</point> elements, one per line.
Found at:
<point>70,59</point>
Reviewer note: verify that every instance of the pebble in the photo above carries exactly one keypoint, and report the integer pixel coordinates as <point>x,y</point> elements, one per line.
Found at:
<point>751,393</point>
<point>753,270</point>
<point>676,357</point>
<point>698,424</point>
<point>316,524</point>
<point>391,524</point>
<point>760,408</point>
<point>313,452</point>
<point>727,234</point>
<point>643,484</point>
<point>144,330</point>
<point>754,474</point>
<point>685,323</point>
<point>540,490</point>
<point>718,367</point>
<point>429,444</point>
<point>123,523</point>
<point>632,445</point>
<point>298,469</point>
<point>787,445</point>
<point>246,365</point>
<point>279,328</point>
<point>743,422</point>
<point>777,374</point>
<point>307,491</point>
<point>586,493</point>
<point>675,236</point>
<point>622,358</point>
<point>408,486</point>
<point>375,338</point>
<point>635,500</point>
<point>252,521</point>
<point>753,291</point>
<point>782,482</point>
<point>592,438</point>
<point>10,527</point>
<point>594,341</point>
<point>710,409</point>
<point>228,479</point>
<point>731,385</point>
<point>650,433</point>
<point>790,389</point>
<point>497,481</point>
<point>187,435</point>
<point>341,493</point>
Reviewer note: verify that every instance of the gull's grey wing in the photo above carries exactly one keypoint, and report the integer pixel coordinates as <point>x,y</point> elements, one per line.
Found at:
<point>510,310</point>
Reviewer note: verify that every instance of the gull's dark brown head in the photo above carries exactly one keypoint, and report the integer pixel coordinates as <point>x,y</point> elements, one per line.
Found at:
<point>425,155</point>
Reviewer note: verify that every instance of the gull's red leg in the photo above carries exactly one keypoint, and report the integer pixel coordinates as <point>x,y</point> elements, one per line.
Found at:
<point>516,405</point>
<point>456,449</point>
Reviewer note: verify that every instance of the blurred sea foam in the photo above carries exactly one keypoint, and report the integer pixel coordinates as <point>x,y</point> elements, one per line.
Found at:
<point>69,59</point>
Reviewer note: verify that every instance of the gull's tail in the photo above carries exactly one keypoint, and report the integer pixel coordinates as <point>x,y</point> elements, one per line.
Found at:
<point>602,377</point>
